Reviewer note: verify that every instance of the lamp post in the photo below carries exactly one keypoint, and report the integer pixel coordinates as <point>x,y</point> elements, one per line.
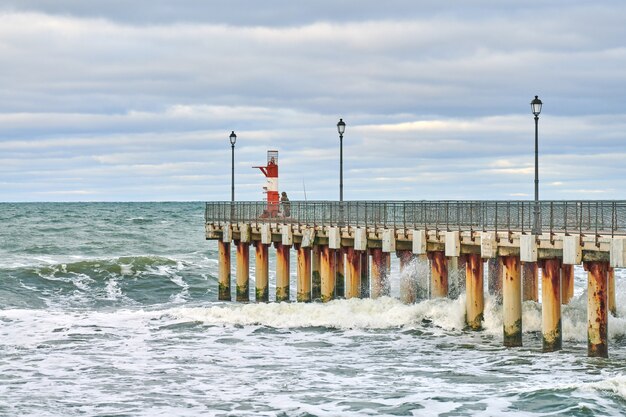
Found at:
<point>341,127</point>
<point>233,139</point>
<point>535,106</point>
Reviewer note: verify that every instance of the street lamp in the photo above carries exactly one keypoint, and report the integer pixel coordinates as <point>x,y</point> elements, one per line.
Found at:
<point>233,139</point>
<point>535,106</point>
<point>341,127</point>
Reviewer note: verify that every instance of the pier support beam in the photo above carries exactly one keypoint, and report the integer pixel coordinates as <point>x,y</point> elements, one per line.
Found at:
<point>597,312</point>
<point>243,271</point>
<point>474,304</point>
<point>261,273</point>
<point>494,283</point>
<point>423,272</point>
<point>282,272</point>
<point>551,305</point>
<point>316,278</point>
<point>380,273</point>
<point>303,285</point>
<point>461,264</point>
<point>408,281</point>
<point>439,275</point>
<point>328,266</point>
<point>612,306</point>
<point>511,301</point>
<point>340,273</point>
<point>353,273</point>
<point>567,283</point>
<point>530,276</point>
<point>223,250</point>
<point>365,274</point>
<point>456,276</point>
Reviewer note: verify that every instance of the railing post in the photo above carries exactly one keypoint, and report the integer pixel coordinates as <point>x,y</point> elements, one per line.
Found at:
<point>613,219</point>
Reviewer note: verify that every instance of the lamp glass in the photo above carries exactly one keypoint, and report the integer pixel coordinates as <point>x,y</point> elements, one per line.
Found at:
<point>341,126</point>
<point>535,105</point>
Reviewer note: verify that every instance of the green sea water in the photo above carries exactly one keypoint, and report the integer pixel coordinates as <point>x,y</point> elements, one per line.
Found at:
<point>110,309</point>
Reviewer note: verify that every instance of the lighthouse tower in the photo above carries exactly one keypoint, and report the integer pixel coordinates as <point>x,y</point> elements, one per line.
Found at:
<point>271,188</point>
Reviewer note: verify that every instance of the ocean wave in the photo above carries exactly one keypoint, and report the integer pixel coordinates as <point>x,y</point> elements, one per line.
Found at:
<point>616,385</point>
<point>387,313</point>
<point>123,280</point>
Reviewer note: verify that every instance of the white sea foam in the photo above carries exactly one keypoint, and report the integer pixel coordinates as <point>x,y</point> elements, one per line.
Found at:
<point>113,290</point>
<point>615,384</point>
<point>388,312</point>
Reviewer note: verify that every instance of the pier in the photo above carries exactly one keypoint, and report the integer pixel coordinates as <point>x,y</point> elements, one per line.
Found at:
<point>344,250</point>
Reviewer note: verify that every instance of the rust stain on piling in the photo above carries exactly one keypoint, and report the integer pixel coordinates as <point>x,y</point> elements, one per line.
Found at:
<point>551,305</point>
<point>439,275</point>
<point>511,301</point>
<point>376,274</point>
<point>611,277</point>
<point>223,249</point>
<point>243,271</point>
<point>474,304</point>
<point>282,272</point>
<point>340,286</point>
<point>353,276</point>
<point>327,272</point>
<point>316,278</point>
<point>261,273</point>
<point>365,278</point>
<point>408,286</point>
<point>303,291</point>
<point>597,311</point>
<point>530,277</point>
<point>567,283</point>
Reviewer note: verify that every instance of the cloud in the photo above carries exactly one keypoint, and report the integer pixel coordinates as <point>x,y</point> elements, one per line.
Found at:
<point>137,102</point>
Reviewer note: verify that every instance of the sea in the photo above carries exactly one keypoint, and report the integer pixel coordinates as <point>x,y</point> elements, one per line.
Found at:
<point>110,309</point>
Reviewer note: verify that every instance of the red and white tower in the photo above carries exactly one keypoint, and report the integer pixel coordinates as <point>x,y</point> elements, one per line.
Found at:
<point>271,188</point>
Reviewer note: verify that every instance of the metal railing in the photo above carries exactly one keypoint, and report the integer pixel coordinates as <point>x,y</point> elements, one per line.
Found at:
<point>584,217</point>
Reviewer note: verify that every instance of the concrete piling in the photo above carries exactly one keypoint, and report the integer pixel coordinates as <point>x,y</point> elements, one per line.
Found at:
<point>612,305</point>
<point>316,278</point>
<point>494,282</point>
<point>511,301</point>
<point>461,264</point>
<point>439,275</point>
<point>551,305</point>
<point>243,271</point>
<point>340,273</point>
<point>474,305</point>
<point>530,277</point>
<point>408,283</point>
<point>353,273</point>
<point>303,284</point>
<point>365,274</point>
<point>567,283</point>
<point>387,280</point>
<point>282,272</point>
<point>327,272</point>
<point>261,272</point>
<point>423,272</point>
<point>223,253</point>
<point>597,312</point>
<point>380,273</point>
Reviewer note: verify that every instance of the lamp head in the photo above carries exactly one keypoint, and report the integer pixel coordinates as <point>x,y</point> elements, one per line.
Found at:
<point>341,126</point>
<point>233,138</point>
<point>535,106</point>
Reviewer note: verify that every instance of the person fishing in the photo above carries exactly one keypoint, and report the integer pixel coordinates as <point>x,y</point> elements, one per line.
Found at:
<point>286,205</point>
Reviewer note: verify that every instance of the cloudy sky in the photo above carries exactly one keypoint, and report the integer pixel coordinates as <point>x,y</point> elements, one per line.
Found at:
<point>115,100</point>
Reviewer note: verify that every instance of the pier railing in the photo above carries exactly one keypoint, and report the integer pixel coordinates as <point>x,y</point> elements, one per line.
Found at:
<point>585,217</point>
